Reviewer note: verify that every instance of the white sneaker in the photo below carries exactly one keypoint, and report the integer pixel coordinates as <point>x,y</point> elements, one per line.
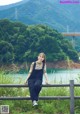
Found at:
<point>35,103</point>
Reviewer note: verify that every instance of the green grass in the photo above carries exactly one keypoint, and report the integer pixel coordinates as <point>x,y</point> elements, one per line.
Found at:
<point>45,106</point>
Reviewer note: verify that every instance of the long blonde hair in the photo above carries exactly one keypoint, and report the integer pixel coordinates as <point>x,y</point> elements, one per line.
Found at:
<point>43,55</point>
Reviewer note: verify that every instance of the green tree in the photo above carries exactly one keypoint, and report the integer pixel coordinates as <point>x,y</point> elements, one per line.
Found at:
<point>6,52</point>
<point>26,42</point>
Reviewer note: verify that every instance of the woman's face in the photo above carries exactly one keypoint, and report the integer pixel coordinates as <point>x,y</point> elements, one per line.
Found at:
<point>40,58</point>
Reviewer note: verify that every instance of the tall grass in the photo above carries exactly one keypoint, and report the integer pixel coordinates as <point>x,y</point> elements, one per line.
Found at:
<point>45,106</point>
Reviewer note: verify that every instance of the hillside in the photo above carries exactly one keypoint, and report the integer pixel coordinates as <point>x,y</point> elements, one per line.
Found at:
<point>22,43</point>
<point>47,12</point>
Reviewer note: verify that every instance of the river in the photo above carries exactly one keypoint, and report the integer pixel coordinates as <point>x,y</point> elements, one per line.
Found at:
<point>54,76</point>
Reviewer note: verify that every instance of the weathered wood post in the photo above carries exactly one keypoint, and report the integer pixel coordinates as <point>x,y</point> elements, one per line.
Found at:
<point>71,96</point>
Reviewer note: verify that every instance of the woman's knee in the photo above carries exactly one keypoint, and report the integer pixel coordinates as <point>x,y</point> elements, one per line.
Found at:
<point>38,83</point>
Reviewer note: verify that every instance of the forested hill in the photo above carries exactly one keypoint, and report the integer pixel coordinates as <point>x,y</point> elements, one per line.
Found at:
<point>49,12</point>
<point>20,43</point>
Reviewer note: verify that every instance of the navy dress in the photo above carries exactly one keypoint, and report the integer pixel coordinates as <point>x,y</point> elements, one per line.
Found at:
<point>35,82</point>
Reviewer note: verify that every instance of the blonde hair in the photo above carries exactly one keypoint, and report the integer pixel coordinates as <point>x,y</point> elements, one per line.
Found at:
<point>44,56</point>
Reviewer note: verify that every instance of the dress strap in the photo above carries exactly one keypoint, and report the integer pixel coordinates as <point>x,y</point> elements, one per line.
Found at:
<point>34,65</point>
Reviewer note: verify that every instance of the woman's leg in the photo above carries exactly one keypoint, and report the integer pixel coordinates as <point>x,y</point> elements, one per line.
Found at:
<point>33,94</point>
<point>37,86</point>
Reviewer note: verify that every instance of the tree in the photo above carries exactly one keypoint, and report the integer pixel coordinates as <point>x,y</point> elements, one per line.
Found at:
<point>20,43</point>
<point>6,52</point>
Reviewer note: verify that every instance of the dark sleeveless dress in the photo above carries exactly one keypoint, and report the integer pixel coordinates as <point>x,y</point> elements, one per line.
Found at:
<point>35,82</point>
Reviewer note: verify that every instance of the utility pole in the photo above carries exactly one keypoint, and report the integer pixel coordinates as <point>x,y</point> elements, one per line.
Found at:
<point>73,41</point>
<point>16,14</point>
<point>67,28</point>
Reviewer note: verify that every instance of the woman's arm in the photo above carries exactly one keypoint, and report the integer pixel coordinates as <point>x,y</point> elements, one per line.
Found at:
<point>46,78</point>
<point>28,77</point>
<point>30,71</point>
<point>45,75</point>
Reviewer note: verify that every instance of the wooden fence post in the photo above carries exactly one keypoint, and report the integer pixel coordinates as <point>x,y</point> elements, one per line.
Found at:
<point>71,96</point>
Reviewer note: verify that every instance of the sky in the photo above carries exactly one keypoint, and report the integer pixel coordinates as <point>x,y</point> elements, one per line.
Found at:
<point>7,2</point>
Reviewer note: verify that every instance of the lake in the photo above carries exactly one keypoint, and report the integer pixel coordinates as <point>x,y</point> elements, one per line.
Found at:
<point>55,76</point>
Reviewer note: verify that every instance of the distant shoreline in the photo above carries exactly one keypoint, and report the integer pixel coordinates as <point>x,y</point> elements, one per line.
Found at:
<point>64,64</point>
<point>50,65</point>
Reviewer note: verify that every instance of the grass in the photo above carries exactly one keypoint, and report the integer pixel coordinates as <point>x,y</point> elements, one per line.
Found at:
<point>45,106</point>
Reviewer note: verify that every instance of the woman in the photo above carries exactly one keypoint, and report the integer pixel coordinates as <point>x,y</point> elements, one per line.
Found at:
<point>35,77</point>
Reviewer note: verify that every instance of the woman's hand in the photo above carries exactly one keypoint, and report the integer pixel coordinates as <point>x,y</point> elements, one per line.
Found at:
<point>46,82</point>
<point>26,83</point>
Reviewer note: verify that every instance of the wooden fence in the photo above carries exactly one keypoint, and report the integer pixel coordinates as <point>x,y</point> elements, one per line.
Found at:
<point>71,97</point>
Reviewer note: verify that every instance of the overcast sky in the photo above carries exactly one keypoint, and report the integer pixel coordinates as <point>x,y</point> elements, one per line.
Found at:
<point>6,2</point>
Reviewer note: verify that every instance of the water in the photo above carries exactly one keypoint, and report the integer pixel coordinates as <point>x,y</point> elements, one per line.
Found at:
<point>55,76</point>
<point>64,76</point>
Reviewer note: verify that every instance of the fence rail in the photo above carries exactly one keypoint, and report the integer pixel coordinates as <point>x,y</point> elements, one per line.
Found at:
<point>71,97</point>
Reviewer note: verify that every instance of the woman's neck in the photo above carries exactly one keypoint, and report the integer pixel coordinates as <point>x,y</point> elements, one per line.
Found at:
<point>40,62</point>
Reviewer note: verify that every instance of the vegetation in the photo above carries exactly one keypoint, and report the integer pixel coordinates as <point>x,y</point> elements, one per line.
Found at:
<point>52,14</point>
<point>45,106</point>
<point>20,43</point>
